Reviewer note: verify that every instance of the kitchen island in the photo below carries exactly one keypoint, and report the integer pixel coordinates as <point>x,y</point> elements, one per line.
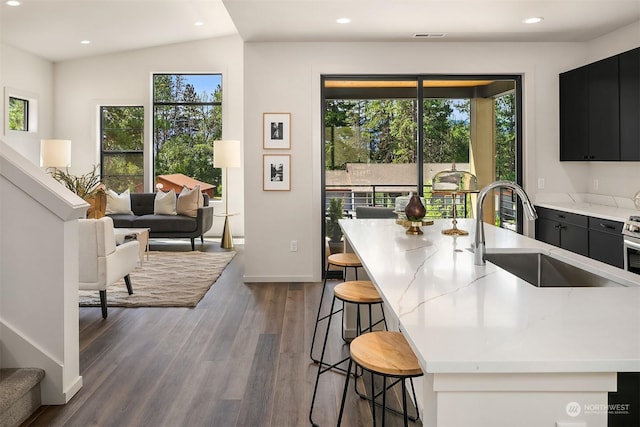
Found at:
<point>496,350</point>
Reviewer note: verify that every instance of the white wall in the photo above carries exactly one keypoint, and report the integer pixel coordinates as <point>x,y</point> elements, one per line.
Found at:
<point>31,75</point>
<point>84,84</point>
<point>614,178</point>
<point>39,275</point>
<point>287,78</point>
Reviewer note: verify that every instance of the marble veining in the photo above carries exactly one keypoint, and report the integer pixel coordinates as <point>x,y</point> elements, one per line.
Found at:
<point>460,317</point>
<point>597,205</point>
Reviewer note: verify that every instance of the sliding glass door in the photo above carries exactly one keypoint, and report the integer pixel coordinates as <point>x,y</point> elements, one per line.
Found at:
<point>387,136</point>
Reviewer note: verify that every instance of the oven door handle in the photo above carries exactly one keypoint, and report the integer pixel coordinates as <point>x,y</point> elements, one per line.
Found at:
<point>631,244</point>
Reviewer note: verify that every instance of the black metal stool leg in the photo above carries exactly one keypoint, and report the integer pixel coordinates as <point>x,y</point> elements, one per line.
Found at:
<point>315,329</point>
<point>373,400</point>
<point>415,399</point>
<point>344,392</point>
<point>322,365</point>
<point>384,399</point>
<point>320,371</point>
<point>404,403</point>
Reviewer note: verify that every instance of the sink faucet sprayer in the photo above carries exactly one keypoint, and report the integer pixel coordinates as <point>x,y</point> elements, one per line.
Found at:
<point>479,245</point>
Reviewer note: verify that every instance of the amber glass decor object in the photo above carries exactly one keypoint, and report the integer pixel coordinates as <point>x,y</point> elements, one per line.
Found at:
<point>415,210</point>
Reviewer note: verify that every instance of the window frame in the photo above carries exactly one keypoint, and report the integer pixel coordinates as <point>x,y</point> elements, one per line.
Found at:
<point>141,152</point>
<point>31,113</point>
<point>219,188</point>
<point>25,113</point>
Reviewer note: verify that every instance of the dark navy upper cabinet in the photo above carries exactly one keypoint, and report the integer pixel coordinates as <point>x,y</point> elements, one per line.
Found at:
<point>574,100</point>
<point>600,110</point>
<point>629,64</point>
<point>604,112</point>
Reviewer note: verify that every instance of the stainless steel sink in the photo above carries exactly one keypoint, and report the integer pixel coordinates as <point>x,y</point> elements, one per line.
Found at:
<point>544,271</point>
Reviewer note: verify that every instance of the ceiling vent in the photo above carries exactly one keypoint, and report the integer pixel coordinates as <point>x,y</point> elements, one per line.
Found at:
<point>429,35</point>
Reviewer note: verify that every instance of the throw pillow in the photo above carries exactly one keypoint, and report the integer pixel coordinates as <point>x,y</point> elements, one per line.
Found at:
<point>189,201</point>
<point>165,203</point>
<point>118,203</point>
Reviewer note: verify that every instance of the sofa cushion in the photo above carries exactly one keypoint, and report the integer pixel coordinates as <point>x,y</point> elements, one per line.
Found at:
<point>165,203</point>
<point>142,203</point>
<point>118,203</point>
<point>123,220</point>
<point>189,201</point>
<point>166,223</point>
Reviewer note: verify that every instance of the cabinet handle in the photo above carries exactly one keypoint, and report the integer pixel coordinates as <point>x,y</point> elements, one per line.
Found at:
<point>561,216</point>
<point>610,227</point>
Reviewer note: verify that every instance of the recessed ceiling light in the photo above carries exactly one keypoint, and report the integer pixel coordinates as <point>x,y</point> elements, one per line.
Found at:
<point>429,35</point>
<point>85,42</point>
<point>198,23</point>
<point>12,3</point>
<point>533,20</point>
<point>343,20</point>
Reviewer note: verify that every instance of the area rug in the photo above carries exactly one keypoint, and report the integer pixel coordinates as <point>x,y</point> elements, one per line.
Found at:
<point>167,279</point>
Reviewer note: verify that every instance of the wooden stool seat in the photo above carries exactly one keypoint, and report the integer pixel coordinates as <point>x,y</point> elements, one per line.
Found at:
<point>344,259</point>
<point>362,294</point>
<point>386,353</point>
<point>358,292</point>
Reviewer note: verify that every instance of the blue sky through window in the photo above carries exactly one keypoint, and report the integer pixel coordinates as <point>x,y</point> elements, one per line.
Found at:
<point>204,82</point>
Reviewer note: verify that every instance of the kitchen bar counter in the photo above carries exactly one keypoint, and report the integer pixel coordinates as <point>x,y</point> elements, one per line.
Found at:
<point>480,327</point>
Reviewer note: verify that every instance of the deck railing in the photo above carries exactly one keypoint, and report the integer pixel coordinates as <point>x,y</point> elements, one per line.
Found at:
<point>438,205</point>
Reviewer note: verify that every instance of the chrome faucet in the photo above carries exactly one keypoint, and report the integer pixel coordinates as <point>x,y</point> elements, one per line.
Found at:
<point>479,244</point>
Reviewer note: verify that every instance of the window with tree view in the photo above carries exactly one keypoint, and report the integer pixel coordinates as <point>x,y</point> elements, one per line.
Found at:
<point>18,114</point>
<point>187,110</point>
<point>122,142</point>
<point>387,136</point>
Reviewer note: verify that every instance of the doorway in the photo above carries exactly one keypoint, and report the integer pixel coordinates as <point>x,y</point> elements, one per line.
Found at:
<point>387,136</point>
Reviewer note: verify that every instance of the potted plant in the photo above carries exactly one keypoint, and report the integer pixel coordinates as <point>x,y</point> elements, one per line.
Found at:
<point>87,186</point>
<point>333,228</point>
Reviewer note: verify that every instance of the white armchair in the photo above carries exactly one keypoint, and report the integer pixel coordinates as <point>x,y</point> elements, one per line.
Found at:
<point>102,263</point>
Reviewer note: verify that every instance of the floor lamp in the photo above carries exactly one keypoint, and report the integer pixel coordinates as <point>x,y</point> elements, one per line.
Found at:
<point>226,154</point>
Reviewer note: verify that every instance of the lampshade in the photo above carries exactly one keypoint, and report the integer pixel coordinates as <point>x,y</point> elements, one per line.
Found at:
<point>55,153</point>
<point>455,181</point>
<point>226,154</point>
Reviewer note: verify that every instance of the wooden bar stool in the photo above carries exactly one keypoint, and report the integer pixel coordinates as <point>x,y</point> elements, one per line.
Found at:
<point>388,355</point>
<point>360,293</point>
<point>345,260</point>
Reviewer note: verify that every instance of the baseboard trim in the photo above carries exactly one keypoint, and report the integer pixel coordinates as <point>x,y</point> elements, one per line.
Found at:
<point>277,279</point>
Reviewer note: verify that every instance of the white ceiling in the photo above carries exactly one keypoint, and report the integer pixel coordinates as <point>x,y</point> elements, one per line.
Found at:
<point>53,28</point>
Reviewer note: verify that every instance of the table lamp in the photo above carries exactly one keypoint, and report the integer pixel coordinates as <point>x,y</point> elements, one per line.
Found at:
<point>55,153</point>
<point>226,154</point>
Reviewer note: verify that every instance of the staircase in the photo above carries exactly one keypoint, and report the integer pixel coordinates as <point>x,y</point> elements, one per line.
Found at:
<point>19,394</point>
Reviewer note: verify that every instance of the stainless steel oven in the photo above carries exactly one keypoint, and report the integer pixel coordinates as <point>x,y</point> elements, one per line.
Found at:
<point>631,244</point>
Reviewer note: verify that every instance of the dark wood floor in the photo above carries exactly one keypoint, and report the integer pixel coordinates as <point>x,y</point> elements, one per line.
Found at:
<point>240,358</point>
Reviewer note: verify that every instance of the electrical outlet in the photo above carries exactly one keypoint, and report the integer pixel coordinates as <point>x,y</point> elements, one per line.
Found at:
<point>595,184</point>
<point>293,246</point>
<point>540,183</point>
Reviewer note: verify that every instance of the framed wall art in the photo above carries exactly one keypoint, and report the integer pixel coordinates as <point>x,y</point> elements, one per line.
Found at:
<point>276,172</point>
<point>276,131</point>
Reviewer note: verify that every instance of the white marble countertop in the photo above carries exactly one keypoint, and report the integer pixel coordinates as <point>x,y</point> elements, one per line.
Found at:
<point>460,317</point>
<point>596,205</point>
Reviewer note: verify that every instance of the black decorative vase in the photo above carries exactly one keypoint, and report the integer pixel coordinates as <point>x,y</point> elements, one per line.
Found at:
<point>415,210</point>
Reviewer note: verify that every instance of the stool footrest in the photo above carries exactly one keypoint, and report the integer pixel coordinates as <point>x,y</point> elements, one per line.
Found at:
<point>395,411</point>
